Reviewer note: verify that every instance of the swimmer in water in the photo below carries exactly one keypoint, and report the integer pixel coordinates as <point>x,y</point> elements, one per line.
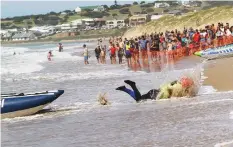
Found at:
<point>181,88</point>
<point>60,47</point>
<point>49,55</point>
<point>14,53</point>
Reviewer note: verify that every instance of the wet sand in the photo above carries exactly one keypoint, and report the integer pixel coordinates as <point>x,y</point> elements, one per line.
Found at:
<point>219,74</point>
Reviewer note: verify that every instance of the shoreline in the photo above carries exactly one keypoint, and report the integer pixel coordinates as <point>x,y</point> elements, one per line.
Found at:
<point>219,74</point>
<point>48,41</point>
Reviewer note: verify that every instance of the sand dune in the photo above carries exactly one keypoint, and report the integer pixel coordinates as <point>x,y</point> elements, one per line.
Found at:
<point>193,19</point>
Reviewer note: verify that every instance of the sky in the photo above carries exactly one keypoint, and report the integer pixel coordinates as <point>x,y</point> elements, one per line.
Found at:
<point>26,7</point>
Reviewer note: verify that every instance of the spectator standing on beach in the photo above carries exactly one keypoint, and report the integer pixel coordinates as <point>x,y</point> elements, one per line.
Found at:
<point>227,31</point>
<point>219,34</point>
<point>120,53</point>
<point>102,56</point>
<point>136,52</point>
<point>203,38</point>
<point>210,35</point>
<point>85,54</point>
<point>162,42</point>
<point>97,53</point>
<point>113,54</point>
<point>60,47</point>
<point>190,34</point>
<point>143,45</point>
<point>128,53</point>
<point>153,49</point>
<point>196,37</point>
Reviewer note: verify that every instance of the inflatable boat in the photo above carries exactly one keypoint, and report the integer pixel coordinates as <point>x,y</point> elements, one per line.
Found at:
<point>216,52</point>
<point>16,105</point>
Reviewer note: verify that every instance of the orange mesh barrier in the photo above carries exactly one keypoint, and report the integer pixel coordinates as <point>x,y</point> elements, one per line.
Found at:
<point>152,60</point>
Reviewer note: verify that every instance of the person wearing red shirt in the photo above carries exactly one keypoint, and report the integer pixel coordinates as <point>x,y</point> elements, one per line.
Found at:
<point>113,54</point>
<point>196,37</point>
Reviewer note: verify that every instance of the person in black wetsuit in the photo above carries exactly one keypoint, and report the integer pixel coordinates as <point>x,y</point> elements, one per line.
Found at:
<point>152,94</point>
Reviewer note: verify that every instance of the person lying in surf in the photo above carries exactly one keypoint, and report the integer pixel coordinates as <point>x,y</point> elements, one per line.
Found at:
<point>184,87</point>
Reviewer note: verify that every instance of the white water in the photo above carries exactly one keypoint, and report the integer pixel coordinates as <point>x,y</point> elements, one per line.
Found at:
<point>29,60</point>
<point>77,113</point>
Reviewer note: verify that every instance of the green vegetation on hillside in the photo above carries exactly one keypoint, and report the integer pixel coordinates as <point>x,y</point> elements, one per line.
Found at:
<point>53,18</point>
<point>192,19</point>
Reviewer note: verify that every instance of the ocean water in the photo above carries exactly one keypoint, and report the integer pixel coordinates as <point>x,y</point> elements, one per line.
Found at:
<point>76,119</point>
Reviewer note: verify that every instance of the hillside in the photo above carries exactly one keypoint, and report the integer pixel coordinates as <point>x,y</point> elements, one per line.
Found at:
<point>192,19</point>
<point>53,18</point>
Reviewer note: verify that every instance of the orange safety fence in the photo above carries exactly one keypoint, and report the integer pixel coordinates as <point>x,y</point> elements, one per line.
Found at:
<point>157,57</point>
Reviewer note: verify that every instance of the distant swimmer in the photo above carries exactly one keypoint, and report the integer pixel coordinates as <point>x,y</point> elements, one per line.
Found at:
<point>14,53</point>
<point>184,87</point>
<point>49,55</point>
<point>60,47</point>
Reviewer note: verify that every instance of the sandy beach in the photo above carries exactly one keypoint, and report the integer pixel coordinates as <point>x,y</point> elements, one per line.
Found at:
<point>219,73</point>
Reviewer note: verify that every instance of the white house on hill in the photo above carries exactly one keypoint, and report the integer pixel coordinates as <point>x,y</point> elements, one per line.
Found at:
<point>78,10</point>
<point>161,5</point>
<point>99,8</point>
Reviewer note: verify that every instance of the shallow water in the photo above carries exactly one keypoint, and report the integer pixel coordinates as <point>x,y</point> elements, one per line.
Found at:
<point>76,119</point>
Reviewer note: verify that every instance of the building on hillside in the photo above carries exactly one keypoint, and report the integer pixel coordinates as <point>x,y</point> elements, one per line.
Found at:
<point>14,30</point>
<point>78,10</point>
<point>6,36</point>
<point>47,30</point>
<point>24,36</point>
<point>77,24</point>
<point>175,12</point>
<point>155,17</point>
<point>161,5</point>
<point>99,9</point>
<point>89,22</point>
<point>118,21</point>
<point>184,3</point>
<point>99,22</point>
<point>58,28</point>
<point>138,19</point>
<point>65,26</point>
